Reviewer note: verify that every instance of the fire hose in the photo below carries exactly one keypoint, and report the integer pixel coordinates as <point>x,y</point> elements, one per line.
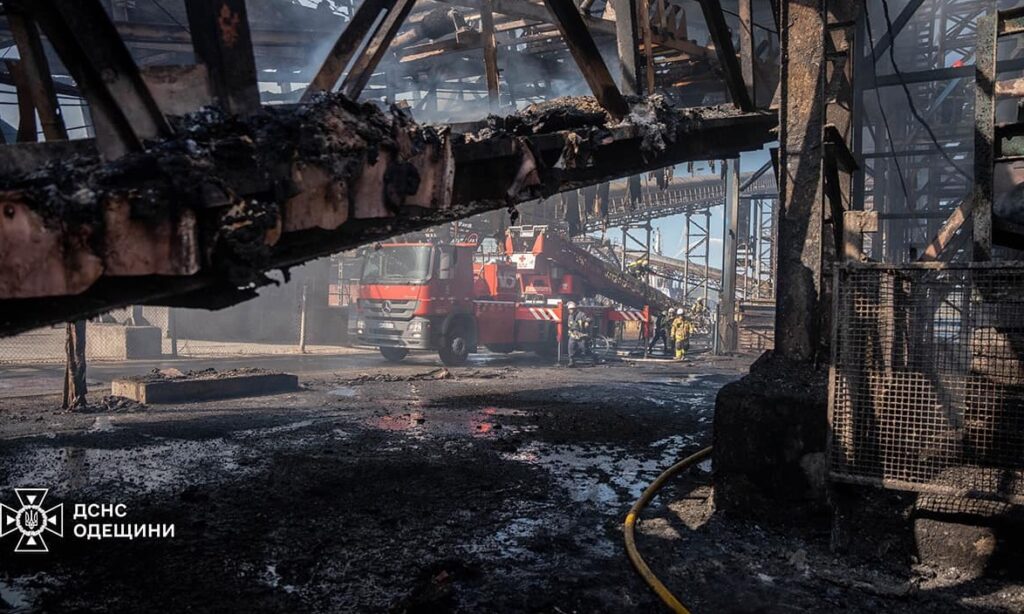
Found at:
<point>634,512</point>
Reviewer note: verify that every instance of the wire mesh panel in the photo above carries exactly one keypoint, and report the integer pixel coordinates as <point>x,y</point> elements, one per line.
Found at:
<point>927,388</point>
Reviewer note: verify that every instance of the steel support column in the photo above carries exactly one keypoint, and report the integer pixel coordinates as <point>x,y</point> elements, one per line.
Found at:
<point>800,209</point>
<point>727,299</point>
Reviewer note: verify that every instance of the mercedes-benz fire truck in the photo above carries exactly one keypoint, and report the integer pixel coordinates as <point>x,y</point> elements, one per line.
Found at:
<point>439,297</point>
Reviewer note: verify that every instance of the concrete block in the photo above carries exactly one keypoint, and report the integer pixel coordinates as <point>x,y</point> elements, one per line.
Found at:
<point>185,389</point>
<point>118,342</point>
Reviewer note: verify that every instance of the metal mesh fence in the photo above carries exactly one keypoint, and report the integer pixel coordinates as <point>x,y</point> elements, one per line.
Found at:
<point>113,338</point>
<point>927,387</point>
<point>107,338</point>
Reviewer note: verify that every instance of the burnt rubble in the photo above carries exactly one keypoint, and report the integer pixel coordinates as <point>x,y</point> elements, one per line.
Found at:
<point>589,125</point>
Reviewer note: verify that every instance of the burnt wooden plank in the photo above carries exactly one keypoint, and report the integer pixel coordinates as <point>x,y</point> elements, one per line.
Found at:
<point>730,64</point>
<point>222,41</point>
<point>26,107</point>
<point>36,77</point>
<point>626,36</point>
<point>584,50</point>
<point>345,47</point>
<point>124,112</point>
<point>490,51</point>
<point>362,69</point>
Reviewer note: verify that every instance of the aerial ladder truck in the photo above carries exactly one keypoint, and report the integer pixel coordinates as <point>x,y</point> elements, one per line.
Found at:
<point>438,296</point>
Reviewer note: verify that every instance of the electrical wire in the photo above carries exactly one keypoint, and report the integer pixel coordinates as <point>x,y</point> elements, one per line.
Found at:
<point>881,108</point>
<point>910,98</point>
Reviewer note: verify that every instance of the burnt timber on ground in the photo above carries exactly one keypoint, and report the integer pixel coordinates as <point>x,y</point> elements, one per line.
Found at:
<point>197,219</point>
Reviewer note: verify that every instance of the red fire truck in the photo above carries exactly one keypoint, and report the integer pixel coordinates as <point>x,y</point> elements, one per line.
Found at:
<point>434,296</point>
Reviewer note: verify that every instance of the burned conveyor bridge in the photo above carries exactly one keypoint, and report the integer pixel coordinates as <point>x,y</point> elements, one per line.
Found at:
<point>195,220</point>
<point>193,190</point>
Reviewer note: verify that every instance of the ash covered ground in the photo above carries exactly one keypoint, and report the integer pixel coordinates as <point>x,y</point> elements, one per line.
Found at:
<point>500,486</point>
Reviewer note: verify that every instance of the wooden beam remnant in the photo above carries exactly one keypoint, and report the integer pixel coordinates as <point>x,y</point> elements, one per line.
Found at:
<point>939,245</point>
<point>626,36</point>
<point>349,41</point>
<point>747,51</point>
<point>222,41</point>
<point>38,84</point>
<point>124,112</point>
<point>362,69</point>
<point>855,224</point>
<point>644,6</point>
<point>490,52</point>
<point>731,70</point>
<point>26,107</point>
<point>584,50</point>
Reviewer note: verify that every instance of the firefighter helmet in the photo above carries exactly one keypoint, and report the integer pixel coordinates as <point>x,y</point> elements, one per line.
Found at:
<point>570,305</point>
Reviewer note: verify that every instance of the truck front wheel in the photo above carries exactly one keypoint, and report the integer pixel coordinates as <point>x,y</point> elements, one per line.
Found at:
<point>392,354</point>
<point>454,350</point>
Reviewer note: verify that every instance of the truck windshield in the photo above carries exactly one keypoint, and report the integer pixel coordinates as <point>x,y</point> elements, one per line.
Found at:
<point>397,264</point>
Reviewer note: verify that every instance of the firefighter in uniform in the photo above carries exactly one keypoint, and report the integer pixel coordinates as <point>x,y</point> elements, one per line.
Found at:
<point>661,324</point>
<point>638,268</point>
<point>579,332</point>
<point>681,328</point>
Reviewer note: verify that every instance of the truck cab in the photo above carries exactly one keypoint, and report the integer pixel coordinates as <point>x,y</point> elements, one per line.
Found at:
<point>417,296</point>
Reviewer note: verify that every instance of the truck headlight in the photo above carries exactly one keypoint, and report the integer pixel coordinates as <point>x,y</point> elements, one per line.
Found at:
<point>416,326</point>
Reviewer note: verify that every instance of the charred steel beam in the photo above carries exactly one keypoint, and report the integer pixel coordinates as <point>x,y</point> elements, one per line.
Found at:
<point>588,58</point>
<point>719,30</point>
<point>223,42</point>
<point>182,226</point>
<point>367,61</point>
<point>124,112</point>
<point>346,46</point>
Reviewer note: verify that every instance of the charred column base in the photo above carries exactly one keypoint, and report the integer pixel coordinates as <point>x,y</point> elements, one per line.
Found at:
<point>769,441</point>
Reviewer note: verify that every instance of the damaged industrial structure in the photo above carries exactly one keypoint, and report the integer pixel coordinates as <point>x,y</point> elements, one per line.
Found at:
<point>290,291</point>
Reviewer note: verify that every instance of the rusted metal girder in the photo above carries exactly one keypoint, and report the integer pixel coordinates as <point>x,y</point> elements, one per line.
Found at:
<point>809,104</point>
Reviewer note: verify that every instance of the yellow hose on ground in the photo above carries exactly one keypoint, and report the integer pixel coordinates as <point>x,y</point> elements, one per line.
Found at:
<point>638,562</point>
